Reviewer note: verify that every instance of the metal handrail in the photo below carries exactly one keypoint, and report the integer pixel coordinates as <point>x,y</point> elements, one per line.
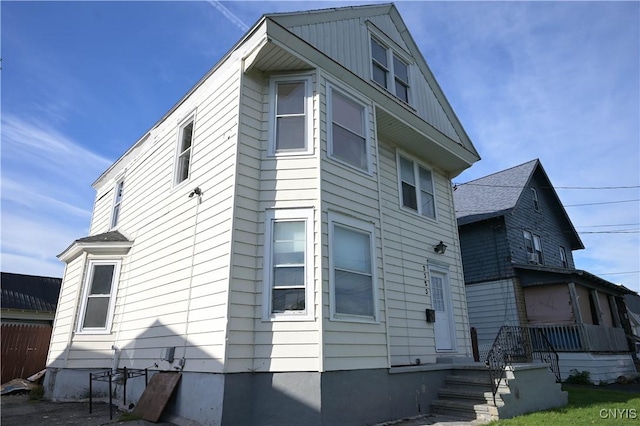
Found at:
<point>518,344</point>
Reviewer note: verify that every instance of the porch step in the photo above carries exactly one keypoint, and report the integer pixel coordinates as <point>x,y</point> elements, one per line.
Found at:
<point>465,409</point>
<point>477,395</point>
<point>467,394</point>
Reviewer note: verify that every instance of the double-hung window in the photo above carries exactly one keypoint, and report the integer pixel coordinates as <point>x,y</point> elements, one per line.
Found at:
<point>117,201</point>
<point>348,132</point>
<point>100,285</point>
<point>291,125</point>
<point>288,265</point>
<point>352,265</point>
<point>185,141</point>
<point>533,246</point>
<point>416,187</point>
<point>389,70</point>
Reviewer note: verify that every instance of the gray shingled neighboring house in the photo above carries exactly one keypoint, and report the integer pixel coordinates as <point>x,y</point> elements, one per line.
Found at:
<point>516,243</point>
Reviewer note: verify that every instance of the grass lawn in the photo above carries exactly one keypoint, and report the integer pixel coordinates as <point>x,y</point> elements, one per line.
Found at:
<point>587,406</point>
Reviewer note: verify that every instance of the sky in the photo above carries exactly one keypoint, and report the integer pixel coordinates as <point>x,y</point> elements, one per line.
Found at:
<point>81,82</point>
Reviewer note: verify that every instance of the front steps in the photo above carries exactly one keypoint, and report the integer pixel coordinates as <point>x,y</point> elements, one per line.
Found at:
<point>467,393</point>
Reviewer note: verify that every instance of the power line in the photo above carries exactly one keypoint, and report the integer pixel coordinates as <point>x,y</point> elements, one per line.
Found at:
<point>620,273</point>
<point>602,226</point>
<point>456,184</point>
<point>604,202</point>
<point>622,231</point>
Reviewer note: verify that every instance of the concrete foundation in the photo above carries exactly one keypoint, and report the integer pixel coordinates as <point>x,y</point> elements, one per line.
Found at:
<point>602,368</point>
<point>354,397</point>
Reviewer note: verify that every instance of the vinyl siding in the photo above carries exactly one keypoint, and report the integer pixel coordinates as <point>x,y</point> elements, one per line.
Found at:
<point>173,288</point>
<point>265,182</point>
<point>491,305</point>
<point>349,192</point>
<point>64,323</point>
<point>409,241</point>
<point>347,42</point>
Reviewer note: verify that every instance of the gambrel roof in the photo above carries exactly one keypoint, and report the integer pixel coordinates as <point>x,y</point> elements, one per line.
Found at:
<point>499,193</point>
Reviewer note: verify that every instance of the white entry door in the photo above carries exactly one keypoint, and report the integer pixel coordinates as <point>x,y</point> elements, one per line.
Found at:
<point>441,302</point>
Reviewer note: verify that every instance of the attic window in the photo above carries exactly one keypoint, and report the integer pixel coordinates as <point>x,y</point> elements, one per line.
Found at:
<point>389,70</point>
<point>536,202</point>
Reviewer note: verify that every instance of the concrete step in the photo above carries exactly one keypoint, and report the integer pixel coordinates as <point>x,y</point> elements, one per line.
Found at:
<point>465,409</point>
<point>475,380</point>
<point>472,395</point>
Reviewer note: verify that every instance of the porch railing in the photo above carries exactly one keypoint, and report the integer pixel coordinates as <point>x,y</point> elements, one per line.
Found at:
<point>584,337</point>
<point>515,344</point>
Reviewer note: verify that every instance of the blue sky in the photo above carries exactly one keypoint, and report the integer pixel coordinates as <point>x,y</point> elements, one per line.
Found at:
<point>559,81</point>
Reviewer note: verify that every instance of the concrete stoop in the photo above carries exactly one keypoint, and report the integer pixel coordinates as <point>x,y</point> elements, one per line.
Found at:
<point>528,387</point>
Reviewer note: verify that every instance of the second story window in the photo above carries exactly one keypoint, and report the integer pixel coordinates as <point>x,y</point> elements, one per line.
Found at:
<point>117,201</point>
<point>416,187</point>
<point>563,257</point>
<point>536,202</point>
<point>533,245</point>
<point>291,127</point>
<point>389,70</point>
<point>348,140</point>
<point>184,152</point>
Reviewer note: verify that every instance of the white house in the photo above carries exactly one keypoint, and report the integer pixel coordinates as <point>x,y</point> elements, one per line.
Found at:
<point>276,230</point>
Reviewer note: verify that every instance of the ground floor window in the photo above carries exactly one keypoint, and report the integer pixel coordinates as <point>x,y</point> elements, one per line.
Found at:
<point>352,264</point>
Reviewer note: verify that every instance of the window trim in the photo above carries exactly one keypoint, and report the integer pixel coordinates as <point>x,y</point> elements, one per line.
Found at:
<point>365,228</point>
<point>365,125</point>
<point>86,282</point>
<point>392,52</point>
<point>308,119</point>
<point>116,209</point>
<point>190,119</point>
<point>416,175</point>
<point>273,215</point>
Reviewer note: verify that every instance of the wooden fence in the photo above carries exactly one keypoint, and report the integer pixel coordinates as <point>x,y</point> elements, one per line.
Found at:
<point>24,349</point>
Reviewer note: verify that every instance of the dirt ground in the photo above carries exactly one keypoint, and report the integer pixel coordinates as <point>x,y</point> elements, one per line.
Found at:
<point>18,410</point>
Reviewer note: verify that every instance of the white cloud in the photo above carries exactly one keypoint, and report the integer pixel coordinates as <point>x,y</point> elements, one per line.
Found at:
<point>46,196</point>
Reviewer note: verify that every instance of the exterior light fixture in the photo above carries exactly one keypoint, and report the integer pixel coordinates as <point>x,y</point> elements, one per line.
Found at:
<point>440,248</point>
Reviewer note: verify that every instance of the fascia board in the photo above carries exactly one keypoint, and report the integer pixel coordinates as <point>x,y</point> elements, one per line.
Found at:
<point>118,248</point>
